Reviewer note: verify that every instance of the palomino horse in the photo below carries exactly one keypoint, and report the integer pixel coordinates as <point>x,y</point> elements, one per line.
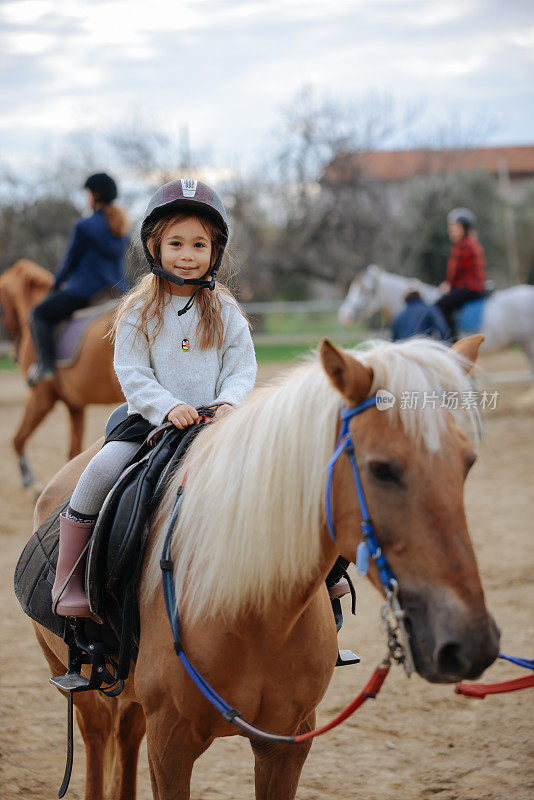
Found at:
<point>90,380</point>
<point>251,551</point>
<point>508,315</point>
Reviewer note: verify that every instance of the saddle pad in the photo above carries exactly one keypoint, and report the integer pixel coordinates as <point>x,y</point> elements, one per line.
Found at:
<point>469,319</point>
<point>34,577</point>
<point>69,336</point>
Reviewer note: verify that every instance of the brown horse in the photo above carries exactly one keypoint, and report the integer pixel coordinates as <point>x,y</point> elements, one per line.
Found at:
<point>251,552</point>
<point>90,380</point>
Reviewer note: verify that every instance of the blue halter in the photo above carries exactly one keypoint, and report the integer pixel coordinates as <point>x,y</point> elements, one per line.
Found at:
<point>369,547</point>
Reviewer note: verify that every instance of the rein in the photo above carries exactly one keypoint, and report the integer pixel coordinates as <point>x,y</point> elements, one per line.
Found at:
<point>480,690</point>
<point>393,616</point>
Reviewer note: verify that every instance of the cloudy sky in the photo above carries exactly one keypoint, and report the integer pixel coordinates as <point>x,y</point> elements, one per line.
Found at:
<point>225,68</point>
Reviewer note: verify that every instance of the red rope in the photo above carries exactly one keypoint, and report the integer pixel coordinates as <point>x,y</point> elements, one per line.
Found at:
<point>371,689</point>
<point>480,690</point>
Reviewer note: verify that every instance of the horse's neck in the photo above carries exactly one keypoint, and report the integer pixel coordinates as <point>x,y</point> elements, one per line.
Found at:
<point>392,290</point>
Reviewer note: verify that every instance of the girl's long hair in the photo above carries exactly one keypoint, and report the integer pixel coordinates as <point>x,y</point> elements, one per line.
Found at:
<point>151,294</point>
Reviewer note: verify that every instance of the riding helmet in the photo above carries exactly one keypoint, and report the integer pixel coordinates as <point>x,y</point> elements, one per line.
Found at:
<point>464,216</point>
<point>186,194</point>
<point>103,186</point>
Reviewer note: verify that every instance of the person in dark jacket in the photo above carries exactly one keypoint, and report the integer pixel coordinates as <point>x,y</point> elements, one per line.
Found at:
<point>95,260</point>
<point>417,318</point>
<point>466,267</point>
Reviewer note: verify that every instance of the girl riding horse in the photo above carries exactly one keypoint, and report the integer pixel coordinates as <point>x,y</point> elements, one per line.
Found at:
<point>94,261</point>
<point>181,341</point>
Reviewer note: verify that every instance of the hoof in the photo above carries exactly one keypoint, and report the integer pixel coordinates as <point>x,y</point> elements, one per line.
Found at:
<point>26,472</point>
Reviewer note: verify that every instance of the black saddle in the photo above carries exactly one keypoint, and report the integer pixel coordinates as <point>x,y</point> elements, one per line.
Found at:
<point>119,540</point>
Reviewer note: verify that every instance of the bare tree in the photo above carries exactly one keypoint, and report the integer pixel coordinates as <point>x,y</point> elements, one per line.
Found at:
<point>327,230</point>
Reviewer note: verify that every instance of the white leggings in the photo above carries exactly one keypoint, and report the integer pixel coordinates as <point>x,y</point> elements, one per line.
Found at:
<point>99,476</point>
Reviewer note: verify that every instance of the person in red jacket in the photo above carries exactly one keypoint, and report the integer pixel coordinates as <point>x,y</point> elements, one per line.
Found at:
<point>466,267</point>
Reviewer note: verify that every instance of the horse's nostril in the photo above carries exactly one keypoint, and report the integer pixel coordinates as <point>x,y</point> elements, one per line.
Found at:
<point>450,661</point>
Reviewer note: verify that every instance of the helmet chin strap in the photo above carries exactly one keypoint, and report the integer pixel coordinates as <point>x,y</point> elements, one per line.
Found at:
<point>191,300</point>
<point>202,283</point>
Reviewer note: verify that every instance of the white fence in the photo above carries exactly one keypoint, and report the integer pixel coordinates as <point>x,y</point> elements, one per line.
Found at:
<point>342,335</point>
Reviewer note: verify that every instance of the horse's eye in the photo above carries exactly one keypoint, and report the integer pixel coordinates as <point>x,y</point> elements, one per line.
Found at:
<point>386,471</point>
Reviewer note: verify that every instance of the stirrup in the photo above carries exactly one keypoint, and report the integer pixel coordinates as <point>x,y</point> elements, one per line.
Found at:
<point>346,657</point>
<point>83,652</point>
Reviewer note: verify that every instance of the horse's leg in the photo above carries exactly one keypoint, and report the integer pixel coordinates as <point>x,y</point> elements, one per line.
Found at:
<point>278,766</point>
<point>153,783</point>
<point>95,721</point>
<point>40,401</point>
<point>77,419</point>
<point>173,749</point>
<point>528,348</point>
<point>121,761</point>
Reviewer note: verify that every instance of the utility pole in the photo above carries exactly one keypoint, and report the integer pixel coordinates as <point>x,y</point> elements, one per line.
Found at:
<point>509,222</point>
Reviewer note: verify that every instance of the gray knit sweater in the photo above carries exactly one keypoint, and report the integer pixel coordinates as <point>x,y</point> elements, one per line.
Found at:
<point>157,377</point>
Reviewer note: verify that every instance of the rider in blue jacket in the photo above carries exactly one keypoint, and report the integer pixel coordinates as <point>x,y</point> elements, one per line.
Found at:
<point>417,318</point>
<point>95,260</point>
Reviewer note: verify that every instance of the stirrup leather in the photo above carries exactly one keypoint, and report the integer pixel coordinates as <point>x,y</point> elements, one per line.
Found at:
<point>103,671</point>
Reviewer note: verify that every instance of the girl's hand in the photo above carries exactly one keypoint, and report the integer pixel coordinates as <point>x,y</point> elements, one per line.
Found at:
<point>445,287</point>
<point>183,416</point>
<point>222,410</point>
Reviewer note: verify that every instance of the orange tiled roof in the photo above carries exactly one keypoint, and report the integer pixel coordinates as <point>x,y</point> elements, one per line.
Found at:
<point>399,165</point>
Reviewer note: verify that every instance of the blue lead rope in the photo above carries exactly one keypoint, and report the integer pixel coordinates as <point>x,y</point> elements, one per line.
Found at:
<point>170,604</point>
<point>370,542</point>
<point>230,714</point>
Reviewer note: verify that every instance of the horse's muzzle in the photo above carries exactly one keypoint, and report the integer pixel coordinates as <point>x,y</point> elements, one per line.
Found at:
<point>450,640</point>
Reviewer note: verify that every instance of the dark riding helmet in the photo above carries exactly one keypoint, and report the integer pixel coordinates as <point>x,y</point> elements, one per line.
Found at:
<point>186,194</point>
<point>103,186</point>
<point>464,216</point>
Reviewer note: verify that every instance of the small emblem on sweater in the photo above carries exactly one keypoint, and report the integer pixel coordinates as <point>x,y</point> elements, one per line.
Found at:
<point>189,187</point>
<point>185,344</point>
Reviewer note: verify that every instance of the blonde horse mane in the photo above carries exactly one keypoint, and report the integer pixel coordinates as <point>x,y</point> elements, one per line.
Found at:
<point>253,510</point>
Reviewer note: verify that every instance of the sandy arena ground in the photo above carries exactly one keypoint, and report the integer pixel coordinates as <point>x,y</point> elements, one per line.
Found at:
<point>416,742</point>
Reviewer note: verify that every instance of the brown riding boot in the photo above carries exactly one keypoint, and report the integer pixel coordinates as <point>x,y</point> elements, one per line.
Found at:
<point>68,595</point>
<point>339,589</point>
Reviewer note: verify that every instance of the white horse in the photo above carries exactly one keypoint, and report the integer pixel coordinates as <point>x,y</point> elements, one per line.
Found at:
<point>508,316</point>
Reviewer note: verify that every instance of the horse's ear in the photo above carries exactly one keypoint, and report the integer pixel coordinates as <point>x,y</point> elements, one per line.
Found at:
<point>351,378</point>
<point>467,348</point>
